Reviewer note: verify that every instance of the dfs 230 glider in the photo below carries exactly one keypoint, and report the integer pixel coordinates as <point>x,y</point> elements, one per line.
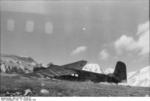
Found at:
<point>74,72</point>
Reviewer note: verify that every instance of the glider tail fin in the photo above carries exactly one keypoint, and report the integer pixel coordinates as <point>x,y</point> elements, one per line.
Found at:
<point>120,71</point>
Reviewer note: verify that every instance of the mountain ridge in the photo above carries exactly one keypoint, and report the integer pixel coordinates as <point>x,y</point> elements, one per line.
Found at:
<point>93,67</point>
<point>16,64</point>
<point>140,77</point>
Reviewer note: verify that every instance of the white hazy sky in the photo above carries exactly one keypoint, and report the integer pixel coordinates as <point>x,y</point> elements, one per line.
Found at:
<point>101,31</point>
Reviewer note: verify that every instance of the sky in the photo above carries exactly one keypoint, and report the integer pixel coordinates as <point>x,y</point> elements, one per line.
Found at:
<point>64,31</point>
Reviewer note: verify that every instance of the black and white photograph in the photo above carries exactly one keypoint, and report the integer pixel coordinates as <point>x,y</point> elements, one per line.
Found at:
<point>74,48</point>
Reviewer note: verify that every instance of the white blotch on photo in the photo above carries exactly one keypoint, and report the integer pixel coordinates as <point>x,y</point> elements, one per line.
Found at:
<point>83,28</point>
<point>48,28</point>
<point>29,27</point>
<point>10,25</point>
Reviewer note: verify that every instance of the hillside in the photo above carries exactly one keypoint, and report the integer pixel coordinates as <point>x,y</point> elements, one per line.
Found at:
<point>140,77</point>
<point>16,64</point>
<point>93,67</point>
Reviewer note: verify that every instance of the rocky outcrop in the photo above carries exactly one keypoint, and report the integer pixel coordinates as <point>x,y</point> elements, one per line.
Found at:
<point>140,77</point>
<point>93,68</point>
<point>17,64</point>
<point>109,70</point>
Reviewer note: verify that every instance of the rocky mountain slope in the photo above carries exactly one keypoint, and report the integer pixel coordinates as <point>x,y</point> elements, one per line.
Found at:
<point>140,77</point>
<point>16,64</point>
<point>109,70</point>
<point>93,68</point>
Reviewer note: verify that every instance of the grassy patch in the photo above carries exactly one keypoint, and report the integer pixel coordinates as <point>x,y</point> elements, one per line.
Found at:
<point>19,83</point>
